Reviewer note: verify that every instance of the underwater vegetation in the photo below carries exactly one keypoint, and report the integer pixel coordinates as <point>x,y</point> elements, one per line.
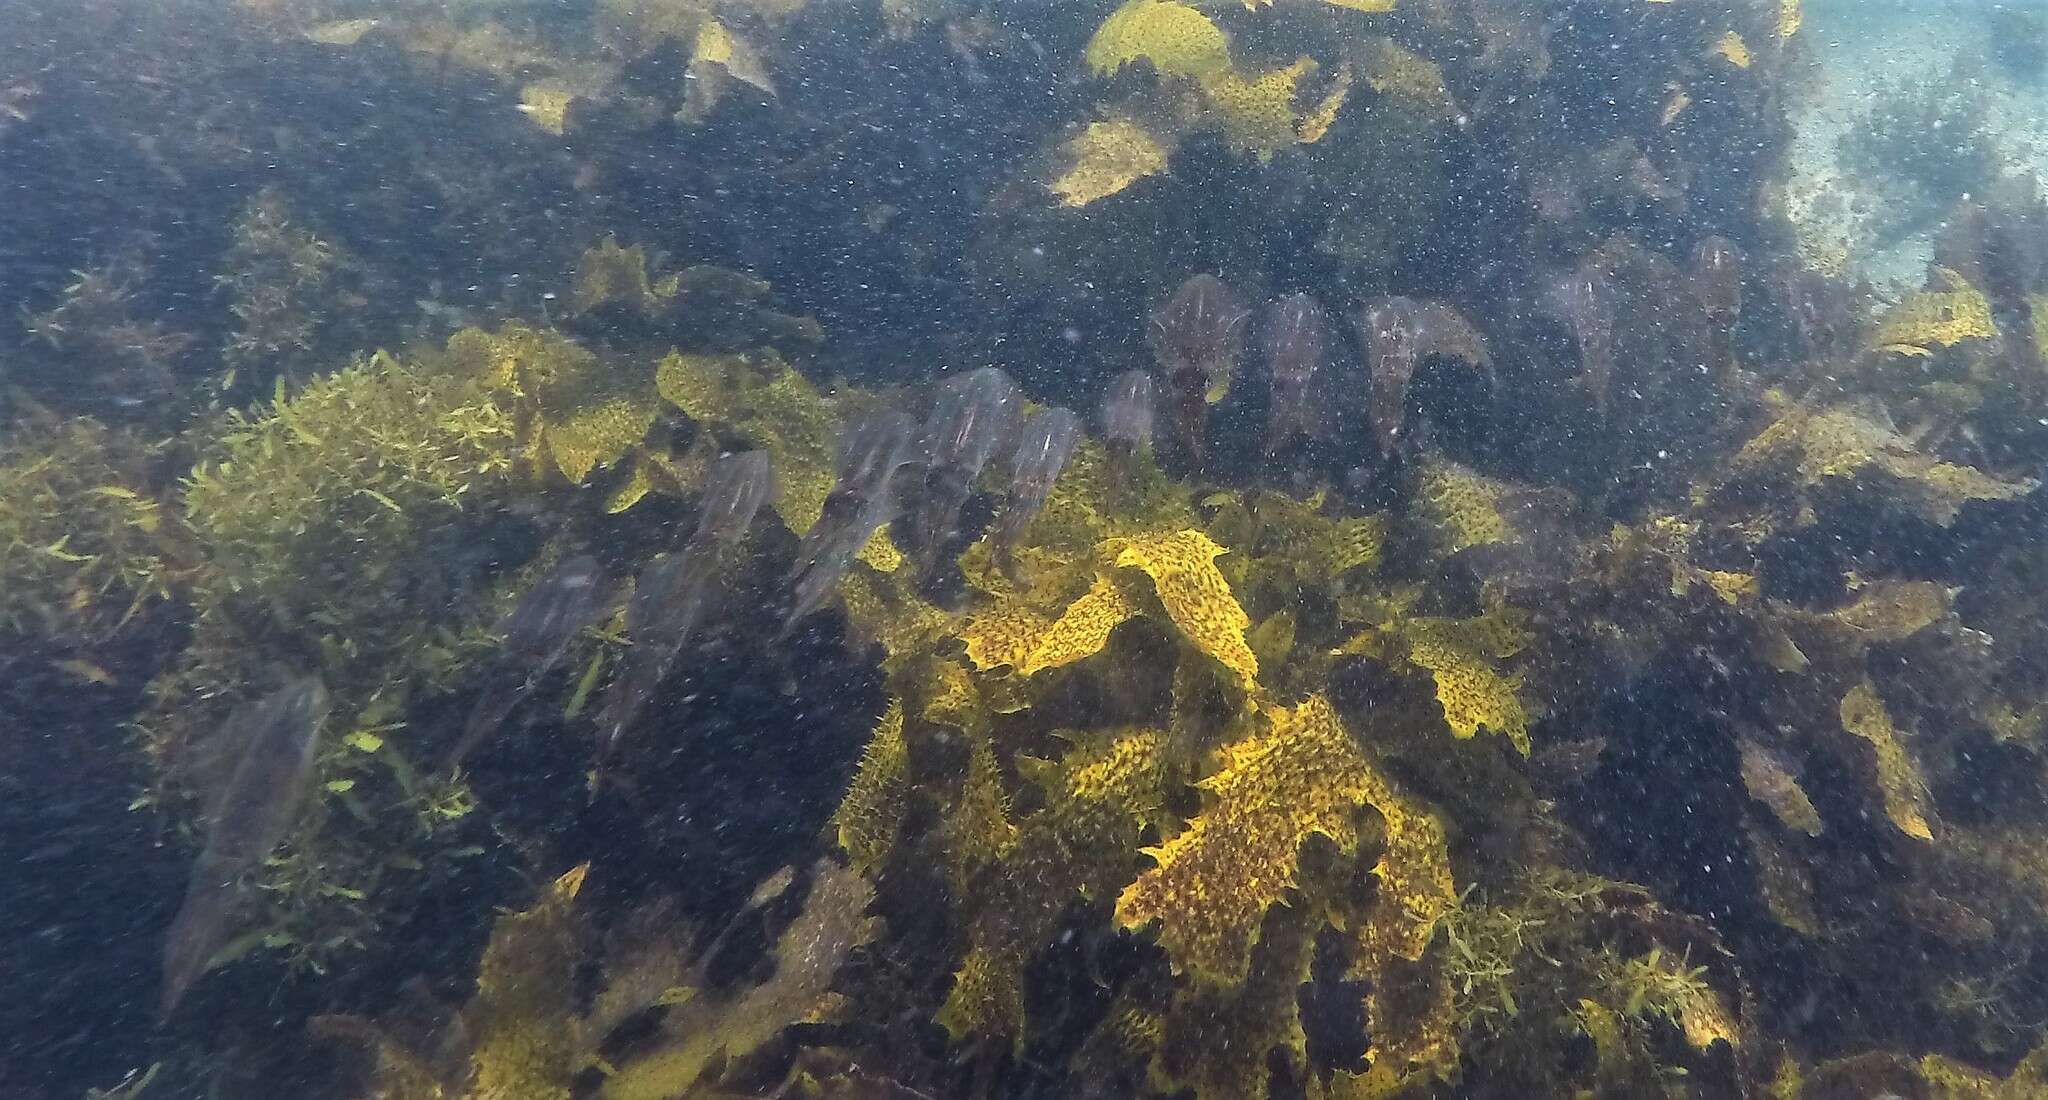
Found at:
<point>713,548</point>
<point>1928,144</point>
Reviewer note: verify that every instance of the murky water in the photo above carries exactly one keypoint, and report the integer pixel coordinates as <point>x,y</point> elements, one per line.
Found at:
<point>659,549</point>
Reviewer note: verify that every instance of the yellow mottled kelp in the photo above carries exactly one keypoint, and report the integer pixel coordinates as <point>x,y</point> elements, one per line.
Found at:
<point>1769,780</point>
<point>1818,446</point>
<point>1898,776</point>
<point>1094,499</point>
<point>762,402</point>
<point>524,1035</point>
<point>1417,1041</point>
<point>1785,886</point>
<point>1882,611</point>
<point>638,27</point>
<point>1123,771</point>
<point>525,1031</point>
<point>1175,38</point>
<point>1313,126</point>
<point>1004,636</point>
<point>1255,111</point>
<point>978,830</point>
<point>1665,546</point>
<point>579,412</point>
<point>645,474</point>
<point>1414,872</point>
<point>1106,157</point>
<point>1948,1079</point>
<point>1080,843</point>
<point>1257,115</point>
<point>1392,69</point>
<point>886,608</point>
<point>987,997</point>
<point>1128,1037</point>
<point>2001,871</point>
<point>719,58</point>
<point>1082,629</point>
<point>1731,48</point>
<point>339,32</point>
<point>1029,644</point>
<point>707,1034</point>
<point>546,102</point>
<point>592,427</point>
<point>518,1036</point>
<point>1218,1039</point>
<point>1935,318</point>
<point>1163,798</point>
<point>1285,543</point>
<point>1011,634</point>
<point>510,359</point>
<point>1410,999</point>
<point>609,273</point>
<point>548,73</point>
<point>1459,654</point>
<point>1462,506</point>
<point>1183,569</point>
<point>945,694</point>
<point>1301,775</point>
<point>1733,587</point>
<point>868,817</point>
<point>1063,596</point>
<point>1790,18</point>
